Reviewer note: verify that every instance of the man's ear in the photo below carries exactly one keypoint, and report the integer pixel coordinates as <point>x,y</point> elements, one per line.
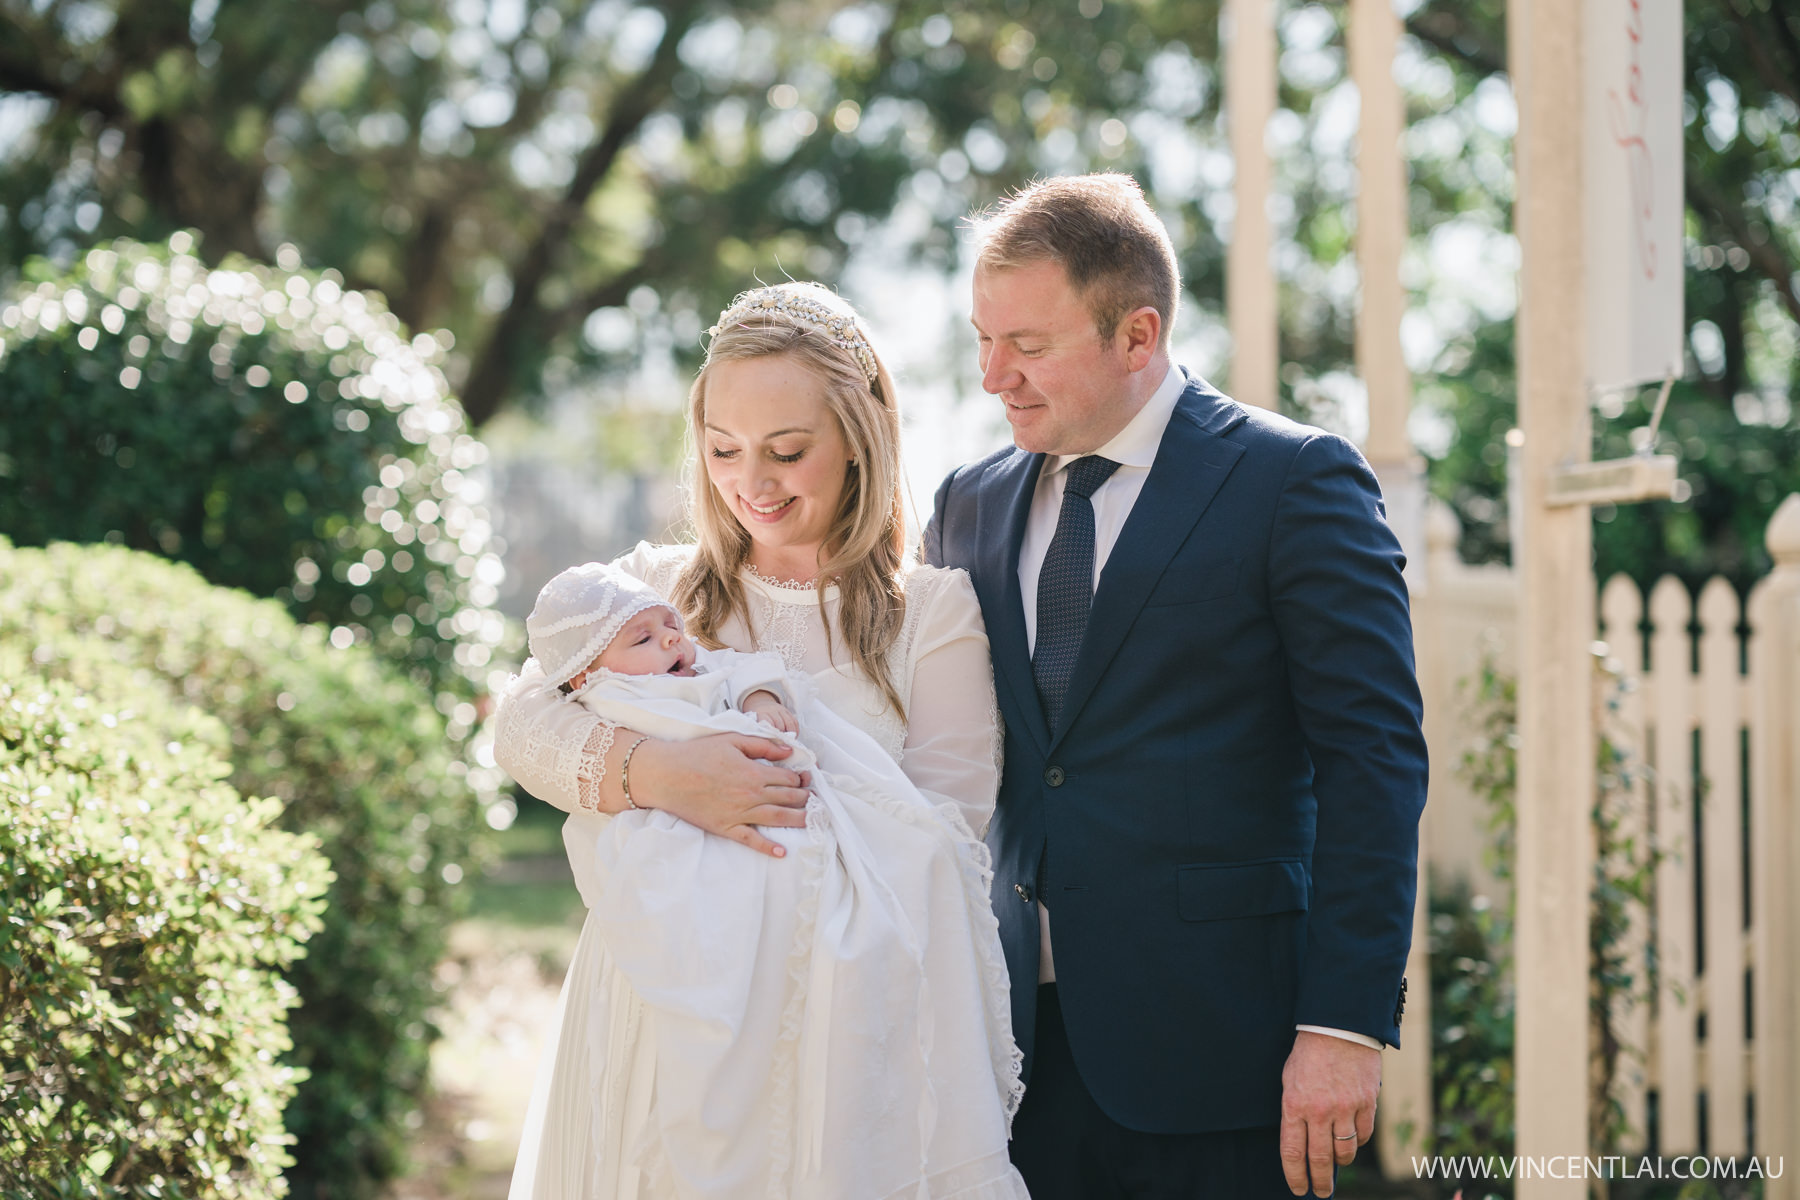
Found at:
<point>1138,335</point>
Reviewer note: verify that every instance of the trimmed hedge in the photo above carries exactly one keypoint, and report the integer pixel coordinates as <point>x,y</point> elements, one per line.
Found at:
<point>149,910</point>
<point>357,755</point>
<point>279,433</point>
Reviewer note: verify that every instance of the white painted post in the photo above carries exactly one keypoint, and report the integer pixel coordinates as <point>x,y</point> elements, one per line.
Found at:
<point>1248,37</point>
<point>1722,856</point>
<point>1381,226</point>
<point>1775,755</point>
<point>1556,625</point>
<point>1672,756</point>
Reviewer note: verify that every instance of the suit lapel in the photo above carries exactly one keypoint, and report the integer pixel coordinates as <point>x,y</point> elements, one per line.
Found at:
<point>1004,502</point>
<point>1191,465</point>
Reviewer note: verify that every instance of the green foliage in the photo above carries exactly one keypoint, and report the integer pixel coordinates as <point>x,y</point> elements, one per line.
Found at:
<point>1622,967</point>
<point>1472,999</point>
<point>272,429</point>
<point>1472,1035</point>
<point>505,174</point>
<point>1730,419</point>
<point>357,756</point>
<point>150,912</point>
<point>1473,1003</point>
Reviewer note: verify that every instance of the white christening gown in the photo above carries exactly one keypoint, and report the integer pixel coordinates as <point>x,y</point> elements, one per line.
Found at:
<point>830,1026</point>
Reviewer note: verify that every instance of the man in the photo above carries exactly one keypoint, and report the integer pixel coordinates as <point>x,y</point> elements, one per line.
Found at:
<point>1207,829</point>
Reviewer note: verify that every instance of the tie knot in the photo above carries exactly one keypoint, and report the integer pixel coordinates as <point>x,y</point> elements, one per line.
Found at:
<point>1087,474</point>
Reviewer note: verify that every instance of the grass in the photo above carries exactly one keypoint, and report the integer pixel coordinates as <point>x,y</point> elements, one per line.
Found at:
<point>528,902</point>
<point>500,980</point>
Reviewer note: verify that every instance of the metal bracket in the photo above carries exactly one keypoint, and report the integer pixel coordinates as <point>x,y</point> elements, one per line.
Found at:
<point>1643,476</point>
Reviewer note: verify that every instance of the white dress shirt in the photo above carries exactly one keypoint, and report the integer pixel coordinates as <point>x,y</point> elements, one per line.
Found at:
<point>1134,449</point>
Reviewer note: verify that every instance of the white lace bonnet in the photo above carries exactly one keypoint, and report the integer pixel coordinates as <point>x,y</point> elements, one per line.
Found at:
<point>579,612</point>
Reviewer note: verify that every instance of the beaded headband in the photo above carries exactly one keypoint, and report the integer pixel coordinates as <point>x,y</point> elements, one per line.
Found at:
<point>790,302</point>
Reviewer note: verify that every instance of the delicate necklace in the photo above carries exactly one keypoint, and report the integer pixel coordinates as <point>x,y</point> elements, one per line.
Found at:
<point>791,585</point>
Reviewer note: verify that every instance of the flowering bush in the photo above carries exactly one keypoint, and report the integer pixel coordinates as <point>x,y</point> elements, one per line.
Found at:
<point>278,432</point>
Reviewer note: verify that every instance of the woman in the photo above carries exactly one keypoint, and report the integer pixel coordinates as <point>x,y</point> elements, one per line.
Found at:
<point>800,551</point>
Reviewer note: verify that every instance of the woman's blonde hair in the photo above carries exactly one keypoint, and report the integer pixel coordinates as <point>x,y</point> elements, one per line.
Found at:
<point>864,549</point>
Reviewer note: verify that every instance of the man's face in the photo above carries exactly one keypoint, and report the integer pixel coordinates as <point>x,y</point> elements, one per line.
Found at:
<point>1065,390</point>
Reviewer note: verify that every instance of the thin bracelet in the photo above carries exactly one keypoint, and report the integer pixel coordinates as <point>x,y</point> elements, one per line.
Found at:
<point>625,772</point>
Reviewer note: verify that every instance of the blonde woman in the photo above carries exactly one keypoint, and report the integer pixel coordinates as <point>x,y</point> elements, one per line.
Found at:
<point>799,550</point>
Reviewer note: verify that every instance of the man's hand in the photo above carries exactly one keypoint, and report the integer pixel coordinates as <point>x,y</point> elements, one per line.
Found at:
<point>1328,1091</point>
<point>722,784</point>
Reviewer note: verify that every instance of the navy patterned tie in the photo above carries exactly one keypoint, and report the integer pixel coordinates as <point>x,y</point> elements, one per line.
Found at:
<point>1066,585</point>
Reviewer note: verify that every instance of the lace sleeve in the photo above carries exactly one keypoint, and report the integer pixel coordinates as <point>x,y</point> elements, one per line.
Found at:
<point>953,731</point>
<point>554,748</point>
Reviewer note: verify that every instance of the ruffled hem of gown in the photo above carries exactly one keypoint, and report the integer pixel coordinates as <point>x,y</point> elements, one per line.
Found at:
<point>991,1178</point>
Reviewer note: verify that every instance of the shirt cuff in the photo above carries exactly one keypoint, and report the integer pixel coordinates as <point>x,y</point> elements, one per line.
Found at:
<point>1361,1039</point>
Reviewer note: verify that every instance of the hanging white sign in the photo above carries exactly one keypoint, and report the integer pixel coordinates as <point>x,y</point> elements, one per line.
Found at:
<point>1633,182</point>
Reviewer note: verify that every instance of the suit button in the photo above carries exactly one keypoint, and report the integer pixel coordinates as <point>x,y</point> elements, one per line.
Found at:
<point>1055,776</point>
<point>1023,891</point>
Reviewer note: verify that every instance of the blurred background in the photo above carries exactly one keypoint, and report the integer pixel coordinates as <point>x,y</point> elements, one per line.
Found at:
<point>383,312</point>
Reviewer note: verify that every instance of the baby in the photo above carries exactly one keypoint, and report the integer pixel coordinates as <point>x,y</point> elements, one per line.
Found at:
<point>655,642</point>
<point>801,1004</point>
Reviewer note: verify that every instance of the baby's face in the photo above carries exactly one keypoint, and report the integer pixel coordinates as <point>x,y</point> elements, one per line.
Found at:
<point>651,643</point>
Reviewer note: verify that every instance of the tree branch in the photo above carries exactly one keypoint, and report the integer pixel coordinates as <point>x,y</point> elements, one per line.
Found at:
<point>1754,44</point>
<point>29,64</point>
<point>1769,258</point>
<point>609,294</point>
<point>1451,35</point>
<point>1782,18</point>
<point>497,363</point>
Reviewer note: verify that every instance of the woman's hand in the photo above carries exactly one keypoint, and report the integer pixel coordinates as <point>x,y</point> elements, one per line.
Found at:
<point>723,784</point>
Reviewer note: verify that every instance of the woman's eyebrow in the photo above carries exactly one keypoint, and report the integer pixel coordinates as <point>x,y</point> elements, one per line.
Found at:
<point>777,433</point>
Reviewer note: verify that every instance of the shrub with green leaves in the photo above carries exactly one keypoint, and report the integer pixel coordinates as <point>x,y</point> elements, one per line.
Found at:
<point>150,910</point>
<point>358,756</point>
<point>281,434</point>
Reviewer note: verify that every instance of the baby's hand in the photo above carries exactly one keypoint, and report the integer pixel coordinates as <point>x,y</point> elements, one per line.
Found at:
<point>766,708</point>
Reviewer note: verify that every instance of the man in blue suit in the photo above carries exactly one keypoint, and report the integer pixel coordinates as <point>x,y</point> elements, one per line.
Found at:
<point>1207,830</point>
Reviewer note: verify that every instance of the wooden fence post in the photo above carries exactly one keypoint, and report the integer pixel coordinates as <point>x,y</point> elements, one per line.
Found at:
<point>1775,764</point>
<point>1250,297</point>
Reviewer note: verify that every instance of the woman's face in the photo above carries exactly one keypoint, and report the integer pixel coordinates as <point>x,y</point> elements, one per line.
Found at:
<point>775,454</point>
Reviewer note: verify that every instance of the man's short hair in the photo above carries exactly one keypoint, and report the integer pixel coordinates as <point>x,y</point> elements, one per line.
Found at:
<point>1103,233</point>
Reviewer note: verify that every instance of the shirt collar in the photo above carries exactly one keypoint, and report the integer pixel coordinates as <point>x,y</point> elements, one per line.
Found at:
<point>1137,443</point>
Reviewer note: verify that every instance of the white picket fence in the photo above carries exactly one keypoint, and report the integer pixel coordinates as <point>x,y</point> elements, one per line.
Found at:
<point>1712,706</point>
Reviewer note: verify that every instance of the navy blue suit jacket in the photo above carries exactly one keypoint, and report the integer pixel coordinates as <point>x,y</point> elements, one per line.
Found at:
<point>1225,824</point>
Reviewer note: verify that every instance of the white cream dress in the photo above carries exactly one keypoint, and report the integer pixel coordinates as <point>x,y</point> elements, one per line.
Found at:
<point>711,1045</point>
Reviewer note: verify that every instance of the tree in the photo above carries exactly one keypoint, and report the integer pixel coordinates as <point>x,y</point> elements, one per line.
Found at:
<point>1730,420</point>
<point>507,170</point>
<point>266,426</point>
<point>560,182</point>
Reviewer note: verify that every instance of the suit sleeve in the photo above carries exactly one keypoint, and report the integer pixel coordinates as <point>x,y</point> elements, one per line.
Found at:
<point>931,543</point>
<point>1341,608</point>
